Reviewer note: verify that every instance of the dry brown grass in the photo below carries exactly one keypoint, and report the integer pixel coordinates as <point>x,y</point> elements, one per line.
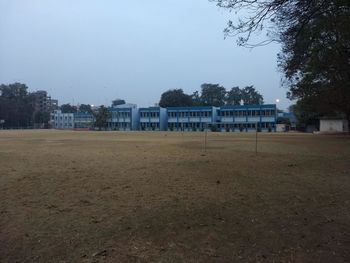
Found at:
<point>138,197</point>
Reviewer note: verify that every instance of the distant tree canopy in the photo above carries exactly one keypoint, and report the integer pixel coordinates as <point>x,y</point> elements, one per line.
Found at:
<point>196,98</point>
<point>16,105</point>
<point>234,96</point>
<point>251,96</point>
<point>175,98</point>
<point>283,120</point>
<point>101,117</point>
<point>85,108</point>
<point>211,95</point>
<point>67,108</point>
<point>41,117</point>
<point>15,90</point>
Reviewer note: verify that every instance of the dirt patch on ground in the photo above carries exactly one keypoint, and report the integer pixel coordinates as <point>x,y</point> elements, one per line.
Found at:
<point>155,196</point>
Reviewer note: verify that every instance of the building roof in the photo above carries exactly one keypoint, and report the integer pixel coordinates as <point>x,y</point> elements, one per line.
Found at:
<point>249,106</point>
<point>126,109</point>
<point>191,108</point>
<point>154,108</point>
<point>82,114</point>
<point>126,105</point>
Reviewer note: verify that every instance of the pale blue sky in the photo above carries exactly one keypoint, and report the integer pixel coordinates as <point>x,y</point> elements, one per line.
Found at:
<point>95,51</point>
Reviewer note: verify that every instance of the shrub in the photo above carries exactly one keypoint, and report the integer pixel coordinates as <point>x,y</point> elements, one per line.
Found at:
<point>214,128</point>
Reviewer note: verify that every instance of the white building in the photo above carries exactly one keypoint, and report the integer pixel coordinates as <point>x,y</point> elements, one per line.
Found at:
<point>329,125</point>
<point>61,120</point>
<point>281,127</point>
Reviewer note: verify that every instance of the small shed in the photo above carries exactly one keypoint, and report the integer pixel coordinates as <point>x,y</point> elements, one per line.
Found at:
<point>280,127</point>
<point>333,125</point>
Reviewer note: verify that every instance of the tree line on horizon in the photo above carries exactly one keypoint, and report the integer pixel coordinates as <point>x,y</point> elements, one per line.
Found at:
<point>211,95</point>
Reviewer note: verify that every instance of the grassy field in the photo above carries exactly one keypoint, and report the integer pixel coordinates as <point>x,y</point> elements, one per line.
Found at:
<point>70,196</point>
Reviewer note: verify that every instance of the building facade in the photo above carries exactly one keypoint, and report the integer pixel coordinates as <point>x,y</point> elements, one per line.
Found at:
<point>334,125</point>
<point>43,102</point>
<point>153,119</point>
<point>127,117</point>
<point>123,118</point>
<point>78,120</point>
<point>247,118</point>
<point>61,120</point>
<point>83,120</point>
<point>196,118</point>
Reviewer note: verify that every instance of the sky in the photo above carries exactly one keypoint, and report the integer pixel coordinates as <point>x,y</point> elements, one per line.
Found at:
<point>94,51</point>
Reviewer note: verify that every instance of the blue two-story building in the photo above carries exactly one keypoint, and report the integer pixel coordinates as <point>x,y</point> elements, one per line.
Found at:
<point>247,117</point>
<point>123,118</point>
<point>153,119</point>
<point>196,118</point>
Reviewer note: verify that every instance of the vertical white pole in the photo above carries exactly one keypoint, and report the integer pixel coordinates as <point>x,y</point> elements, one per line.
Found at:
<point>205,141</point>
<point>256,139</point>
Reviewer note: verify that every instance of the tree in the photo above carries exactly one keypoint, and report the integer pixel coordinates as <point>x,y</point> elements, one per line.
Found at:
<point>315,37</point>
<point>196,98</point>
<point>234,96</point>
<point>86,108</point>
<point>309,110</point>
<point>101,117</point>
<point>250,96</point>
<point>175,98</point>
<point>42,118</point>
<point>270,16</point>
<point>213,95</point>
<point>16,105</point>
<point>315,60</point>
<point>15,90</point>
<point>67,108</point>
<point>283,120</point>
